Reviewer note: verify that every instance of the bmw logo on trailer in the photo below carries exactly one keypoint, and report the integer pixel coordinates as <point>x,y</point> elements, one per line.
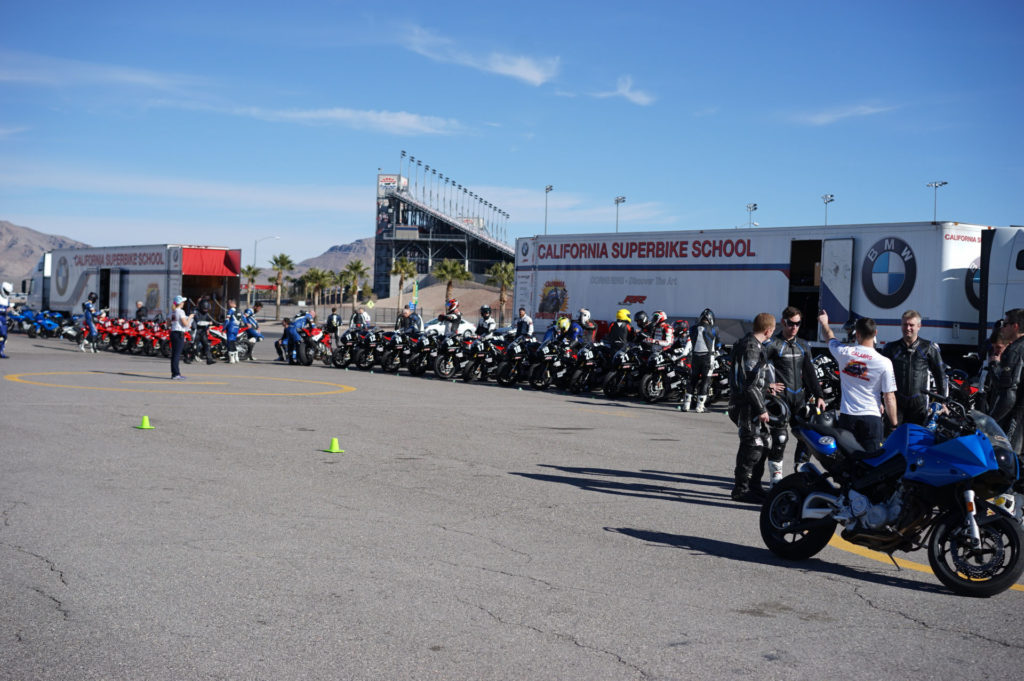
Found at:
<point>889,272</point>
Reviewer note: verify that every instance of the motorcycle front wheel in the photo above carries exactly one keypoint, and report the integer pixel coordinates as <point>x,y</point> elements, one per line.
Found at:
<point>784,532</point>
<point>540,376</point>
<point>305,354</point>
<point>363,359</point>
<point>984,570</point>
<point>613,385</point>
<point>473,371</point>
<point>390,362</point>
<point>341,358</point>
<point>580,381</point>
<point>417,365</point>
<point>444,367</point>
<point>652,388</point>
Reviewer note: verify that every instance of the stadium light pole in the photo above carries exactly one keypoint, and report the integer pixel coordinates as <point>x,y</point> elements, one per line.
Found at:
<point>751,207</point>
<point>547,190</point>
<point>619,200</point>
<point>935,201</point>
<point>254,245</point>
<point>827,198</point>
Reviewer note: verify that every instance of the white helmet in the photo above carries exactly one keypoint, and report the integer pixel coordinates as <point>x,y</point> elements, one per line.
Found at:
<point>7,288</point>
<point>584,315</point>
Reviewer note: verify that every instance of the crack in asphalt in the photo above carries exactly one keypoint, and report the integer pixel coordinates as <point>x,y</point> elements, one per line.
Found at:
<point>5,514</point>
<point>925,625</point>
<point>489,539</point>
<point>65,613</point>
<point>53,566</point>
<point>559,636</point>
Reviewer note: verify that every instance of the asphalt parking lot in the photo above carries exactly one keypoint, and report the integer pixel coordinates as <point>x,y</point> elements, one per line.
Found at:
<point>467,532</point>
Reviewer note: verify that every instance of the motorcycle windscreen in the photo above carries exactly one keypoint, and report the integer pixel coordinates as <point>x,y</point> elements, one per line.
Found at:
<point>836,289</point>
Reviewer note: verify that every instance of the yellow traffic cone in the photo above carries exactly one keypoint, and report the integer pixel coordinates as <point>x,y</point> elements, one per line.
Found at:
<point>145,424</point>
<point>334,447</point>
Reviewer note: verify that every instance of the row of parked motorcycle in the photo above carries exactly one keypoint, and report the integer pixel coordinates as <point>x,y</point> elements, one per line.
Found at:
<point>136,337</point>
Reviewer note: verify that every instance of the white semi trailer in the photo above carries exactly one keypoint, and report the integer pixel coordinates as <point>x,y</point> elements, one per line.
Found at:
<point>960,277</point>
<point>122,275</point>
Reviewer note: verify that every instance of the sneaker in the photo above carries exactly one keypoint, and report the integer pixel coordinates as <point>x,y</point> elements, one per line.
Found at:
<point>179,377</point>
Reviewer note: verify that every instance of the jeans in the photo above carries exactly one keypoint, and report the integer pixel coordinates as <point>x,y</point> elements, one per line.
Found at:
<point>177,345</point>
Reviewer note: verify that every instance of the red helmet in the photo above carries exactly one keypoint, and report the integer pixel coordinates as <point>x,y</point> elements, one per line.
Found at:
<point>451,306</point>
<point>658,317</point>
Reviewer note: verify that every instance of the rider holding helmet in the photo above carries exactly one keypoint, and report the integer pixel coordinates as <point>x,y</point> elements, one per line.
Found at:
<point>705,339</point>
<point>748,407</point>
<point>487,323</point>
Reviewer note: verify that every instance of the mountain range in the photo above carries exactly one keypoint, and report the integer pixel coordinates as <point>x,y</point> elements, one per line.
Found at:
<point>21,247</point>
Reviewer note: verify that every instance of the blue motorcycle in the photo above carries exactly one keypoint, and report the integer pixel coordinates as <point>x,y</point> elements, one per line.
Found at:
<point>927,487</point>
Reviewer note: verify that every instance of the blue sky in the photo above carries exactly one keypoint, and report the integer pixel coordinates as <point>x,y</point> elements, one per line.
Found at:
<point>223,122</point>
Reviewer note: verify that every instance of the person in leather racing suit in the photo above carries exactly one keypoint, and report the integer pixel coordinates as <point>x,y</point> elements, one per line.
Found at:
<point>360,318</point>
<point>300,322</point>
<point>332,324</point>
<point>796,380</point>
<point>660,334</point>
<point>253,330</point>
<point>487,324</point>
<point>6,290</point>
<point>524,324</point>
<point>231,327</point>
<point>682,331</point>
<point>621,333</point>
<point>913,359</point>
<point>452,317</point>
<point>570,332</point>
<point>749,384</point>
<point>89,322</point>
<point>141,311</point>
<point>1007,399</point>
<point>408,321</point>
<point>281,344</point>
<point>588,326</point>
<point>203,320</point>
<point>705,342</point>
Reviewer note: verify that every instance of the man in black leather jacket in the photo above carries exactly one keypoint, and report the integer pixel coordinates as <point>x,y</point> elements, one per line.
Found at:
<point>913,359</point>
<point>749,384</point>
<point>203,321</point>
<point>791,358</point>
<point>1007,399</point>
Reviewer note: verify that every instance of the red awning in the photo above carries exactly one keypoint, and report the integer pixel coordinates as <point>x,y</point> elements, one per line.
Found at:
<point>259,287</point>
<point>211,262</point>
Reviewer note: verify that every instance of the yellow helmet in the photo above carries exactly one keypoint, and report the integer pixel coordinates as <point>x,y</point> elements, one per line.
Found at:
<point>563,324</point>
<point>623,315</point>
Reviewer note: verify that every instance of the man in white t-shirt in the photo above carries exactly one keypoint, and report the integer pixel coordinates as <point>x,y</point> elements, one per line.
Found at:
<point>867,382</point>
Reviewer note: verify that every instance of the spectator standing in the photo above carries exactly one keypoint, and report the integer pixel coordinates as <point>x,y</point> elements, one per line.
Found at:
<point>914,359</point>
<point>180,323</point>
<point>867,382</point>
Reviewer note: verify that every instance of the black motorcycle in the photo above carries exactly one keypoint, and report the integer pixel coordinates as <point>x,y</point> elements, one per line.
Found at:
<point>515,364</point>
<point>592,362</point>
<point>394,347</point>
<point>626,371</point>
<point>449,356</point>
<point>665,376</point>
<point>368,349</point>
<point>342,355</point>
<point>482,357</point>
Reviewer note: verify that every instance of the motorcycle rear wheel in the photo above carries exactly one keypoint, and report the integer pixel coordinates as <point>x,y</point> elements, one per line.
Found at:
<point>784,532</point>
<point>987,570</point>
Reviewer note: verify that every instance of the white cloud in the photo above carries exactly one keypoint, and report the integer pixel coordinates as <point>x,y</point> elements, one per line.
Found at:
<point>23,67</point>
<point>624,89</point>
<point>10,132</point>
<point>830,116</point>
<point>93,181</point>
<point>532,70</point>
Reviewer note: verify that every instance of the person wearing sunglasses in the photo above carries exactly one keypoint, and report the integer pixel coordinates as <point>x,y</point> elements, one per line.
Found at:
<point>797,383</point>
<point>914,359</point>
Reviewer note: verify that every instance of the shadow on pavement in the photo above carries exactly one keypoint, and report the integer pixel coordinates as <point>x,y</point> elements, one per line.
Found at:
<point>704,490</point>
<point>762,556</point>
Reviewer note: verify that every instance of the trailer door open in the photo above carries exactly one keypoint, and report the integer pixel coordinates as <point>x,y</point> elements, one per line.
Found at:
<point>837,279</point>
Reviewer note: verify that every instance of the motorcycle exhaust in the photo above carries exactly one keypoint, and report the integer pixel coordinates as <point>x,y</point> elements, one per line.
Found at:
<point>819,505</point>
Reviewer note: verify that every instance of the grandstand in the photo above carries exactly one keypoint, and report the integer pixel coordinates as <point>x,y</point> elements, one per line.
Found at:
<point>426,217</point>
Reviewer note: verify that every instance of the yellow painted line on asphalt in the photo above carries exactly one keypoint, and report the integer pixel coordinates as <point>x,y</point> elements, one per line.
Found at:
<point>164,382</point>
<point>843,545</point>
<point>175,388</point>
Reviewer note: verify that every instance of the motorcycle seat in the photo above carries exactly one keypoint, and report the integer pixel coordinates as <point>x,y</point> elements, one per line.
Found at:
<point>846,442</point>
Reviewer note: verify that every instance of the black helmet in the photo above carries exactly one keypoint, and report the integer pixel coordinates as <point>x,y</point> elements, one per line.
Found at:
<point>707,317</point>
<point>778,412</point>
<point>485,310</point>
<point>93,297</point>
<point>641,319</point>
<point>204,305</point>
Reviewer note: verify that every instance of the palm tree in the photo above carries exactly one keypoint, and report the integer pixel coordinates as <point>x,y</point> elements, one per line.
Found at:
<point>356,270</point>
<point>250,272</point>
<point>280,263</point>
<point>502,275</point>
<point>451,271</point>
<point>403,269</point>
<point>318,280</point>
